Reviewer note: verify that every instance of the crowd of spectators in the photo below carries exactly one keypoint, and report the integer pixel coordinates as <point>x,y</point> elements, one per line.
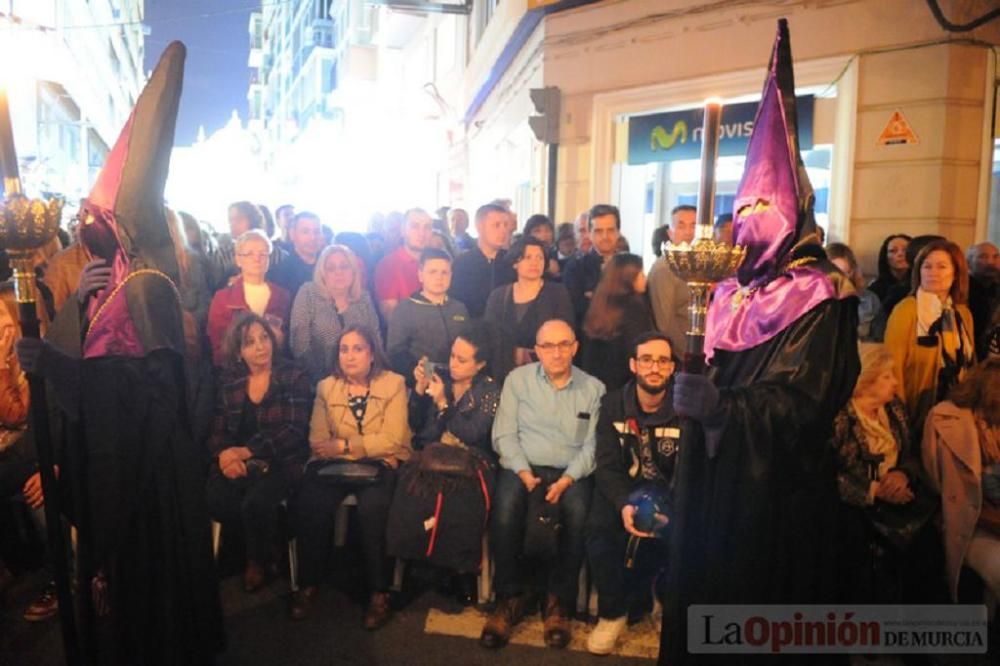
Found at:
<point>323,367</point>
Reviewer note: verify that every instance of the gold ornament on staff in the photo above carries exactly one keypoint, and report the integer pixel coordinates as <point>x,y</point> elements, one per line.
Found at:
<point>25,226</point>
<point>704,261</point>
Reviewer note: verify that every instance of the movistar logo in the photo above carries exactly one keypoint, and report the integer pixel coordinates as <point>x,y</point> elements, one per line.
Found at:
<point>659,139</point>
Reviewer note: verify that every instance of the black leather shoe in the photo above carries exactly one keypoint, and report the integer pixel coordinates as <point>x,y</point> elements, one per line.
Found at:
<point>302,602</point>
<point>557,629</point>
<point>466,589</point>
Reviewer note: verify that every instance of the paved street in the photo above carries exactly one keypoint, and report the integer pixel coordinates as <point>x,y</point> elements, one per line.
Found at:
<point>428,630</point>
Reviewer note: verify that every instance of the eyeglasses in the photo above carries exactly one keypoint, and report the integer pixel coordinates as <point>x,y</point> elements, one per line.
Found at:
<point>562,345</point>
<point>256,255</point>
<point>646,362</point>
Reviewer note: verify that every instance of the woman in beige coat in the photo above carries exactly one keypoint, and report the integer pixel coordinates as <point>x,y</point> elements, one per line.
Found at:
<point>961,452</point>
<point>360,415</point>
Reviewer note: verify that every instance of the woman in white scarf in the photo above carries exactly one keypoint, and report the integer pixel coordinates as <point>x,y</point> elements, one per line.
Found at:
<point>930,332</point>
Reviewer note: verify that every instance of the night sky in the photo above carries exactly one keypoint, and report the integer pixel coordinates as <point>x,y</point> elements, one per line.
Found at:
<point>216,76</point>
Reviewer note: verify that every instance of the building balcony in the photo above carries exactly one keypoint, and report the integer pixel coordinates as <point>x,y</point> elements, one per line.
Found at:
<point>322,33</point>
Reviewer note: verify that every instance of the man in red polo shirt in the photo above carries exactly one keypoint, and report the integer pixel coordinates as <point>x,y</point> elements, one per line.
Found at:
<point>396,275</point>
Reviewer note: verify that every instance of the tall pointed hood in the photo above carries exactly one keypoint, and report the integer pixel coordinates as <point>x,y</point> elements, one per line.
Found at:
<point>124,223</point>
<point>781,279</point>
<point>774,202</point>
<point>124,212</point>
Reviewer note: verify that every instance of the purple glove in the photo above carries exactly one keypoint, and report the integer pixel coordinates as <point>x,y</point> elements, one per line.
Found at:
<point>696,397</point>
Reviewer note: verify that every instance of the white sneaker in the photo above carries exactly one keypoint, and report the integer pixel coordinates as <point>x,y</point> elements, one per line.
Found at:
<point>604,636</point>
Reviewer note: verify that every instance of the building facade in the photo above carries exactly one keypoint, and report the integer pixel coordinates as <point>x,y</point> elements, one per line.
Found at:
<point>355,106</point>
<point>79,72</point>
<point>624,68</point>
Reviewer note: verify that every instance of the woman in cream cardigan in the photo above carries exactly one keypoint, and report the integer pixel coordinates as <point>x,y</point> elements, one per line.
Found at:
<point>360,414</point>
<point>930,331</point>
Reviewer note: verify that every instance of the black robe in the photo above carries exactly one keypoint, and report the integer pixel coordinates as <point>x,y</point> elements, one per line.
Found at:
<point>756,524</point>
<point>138,483</point>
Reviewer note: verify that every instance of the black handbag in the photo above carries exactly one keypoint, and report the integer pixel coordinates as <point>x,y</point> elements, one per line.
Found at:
<point>449,460</point>
<point>355,473</point>
<point>544,525</point>
<point>899,524</point>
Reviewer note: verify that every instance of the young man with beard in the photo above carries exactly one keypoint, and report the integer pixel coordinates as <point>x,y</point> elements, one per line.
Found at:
<point>637,440</point>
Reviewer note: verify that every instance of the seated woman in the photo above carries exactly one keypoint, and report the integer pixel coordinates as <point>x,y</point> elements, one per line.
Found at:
<point>249,292</point>
<point>518,309</point>
<point>875,465</point>
<point>961,450</point>
<point>457,404</point>
<point>930,331</point>
<point>617,314</point>
<point>359,416</point>
<point>258,440</point>
<point>454,406</point>
<point>871,320</point>
<point>333,300</point>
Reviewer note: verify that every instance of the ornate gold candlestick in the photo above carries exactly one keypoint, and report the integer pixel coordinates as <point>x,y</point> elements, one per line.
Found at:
<point>705,261</point>
<point>25,226</point>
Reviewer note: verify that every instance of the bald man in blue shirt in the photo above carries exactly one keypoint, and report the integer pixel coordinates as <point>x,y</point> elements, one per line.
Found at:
<point>544,433</point>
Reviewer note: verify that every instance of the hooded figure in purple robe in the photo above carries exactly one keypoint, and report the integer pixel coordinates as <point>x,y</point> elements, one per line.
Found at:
<point>755,505</point>
<point>114,362</point>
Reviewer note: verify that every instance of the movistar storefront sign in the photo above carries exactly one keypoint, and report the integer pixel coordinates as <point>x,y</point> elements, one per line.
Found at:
<point>676,135</point>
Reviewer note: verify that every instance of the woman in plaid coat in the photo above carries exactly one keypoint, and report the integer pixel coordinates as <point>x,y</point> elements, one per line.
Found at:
<point>258,441</point>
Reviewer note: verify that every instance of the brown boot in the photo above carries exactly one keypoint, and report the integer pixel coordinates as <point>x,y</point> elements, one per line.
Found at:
<point>500,623</point>
<point>378,612</point>
<point>557,629</point>
<point>301,603</point>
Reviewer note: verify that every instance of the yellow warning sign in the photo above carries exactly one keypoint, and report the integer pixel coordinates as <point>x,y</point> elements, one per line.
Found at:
<point>897,131</point>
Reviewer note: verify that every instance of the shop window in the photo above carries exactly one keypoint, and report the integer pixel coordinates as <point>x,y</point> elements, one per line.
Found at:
<point>663,168</point>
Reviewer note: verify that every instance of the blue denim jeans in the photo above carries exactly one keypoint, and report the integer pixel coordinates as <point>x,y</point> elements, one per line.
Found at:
<point>507,524</point>
<point>619,589</point>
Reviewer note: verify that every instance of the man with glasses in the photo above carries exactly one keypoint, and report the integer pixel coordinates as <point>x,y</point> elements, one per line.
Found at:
<point>637,441</point>
<point>544,434</point>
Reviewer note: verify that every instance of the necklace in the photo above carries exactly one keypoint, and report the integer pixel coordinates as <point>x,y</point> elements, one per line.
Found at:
<point>114,292</point>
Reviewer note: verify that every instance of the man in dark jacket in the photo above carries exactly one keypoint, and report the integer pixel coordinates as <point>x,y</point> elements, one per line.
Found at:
<point>426,323</point>
<point>583,272</point>
<point>306,235</point>
<point>637,440</point>
<point>484,268</point>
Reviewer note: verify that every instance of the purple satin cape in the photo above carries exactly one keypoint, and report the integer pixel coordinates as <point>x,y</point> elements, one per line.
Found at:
<point>760,316</point>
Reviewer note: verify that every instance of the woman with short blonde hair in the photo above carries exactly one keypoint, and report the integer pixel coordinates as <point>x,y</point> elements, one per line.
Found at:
<point>334,300</point>
<point>250,292</point>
